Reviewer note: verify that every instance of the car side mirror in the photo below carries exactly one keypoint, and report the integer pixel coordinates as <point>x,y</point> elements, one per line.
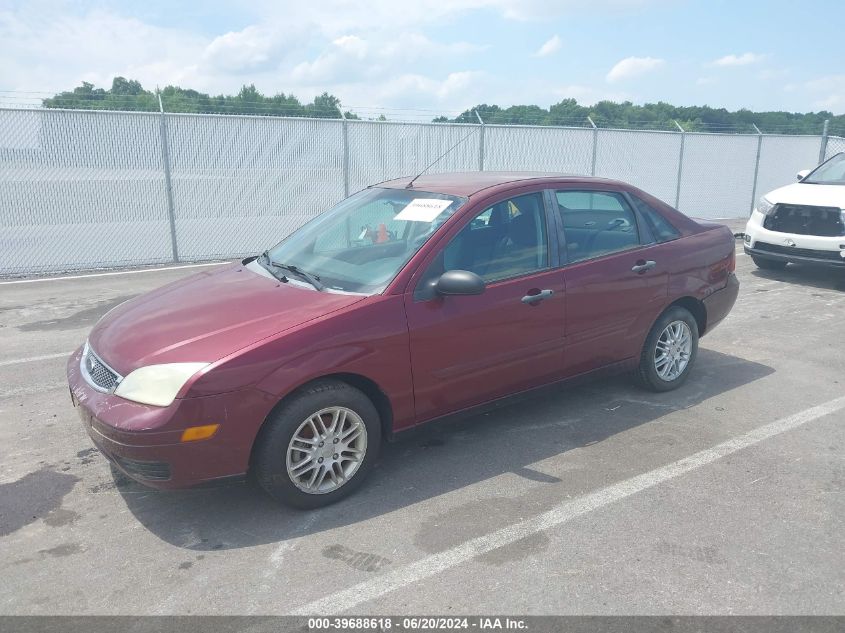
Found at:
<point>801,175</point>
<point>459,282</point>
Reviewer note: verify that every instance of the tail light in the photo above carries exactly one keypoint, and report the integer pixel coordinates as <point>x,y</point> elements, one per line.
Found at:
<point>721,269</point>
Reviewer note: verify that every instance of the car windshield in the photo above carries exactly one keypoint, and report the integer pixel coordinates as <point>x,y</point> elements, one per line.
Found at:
<point>362,243</point>
<point>830,173</point>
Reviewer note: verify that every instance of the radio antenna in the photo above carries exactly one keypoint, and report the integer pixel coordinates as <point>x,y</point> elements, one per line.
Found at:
<point>410,185</point>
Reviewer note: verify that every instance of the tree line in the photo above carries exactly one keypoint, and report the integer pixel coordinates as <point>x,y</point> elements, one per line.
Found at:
<point>128,94</point>
<point>651,116</point>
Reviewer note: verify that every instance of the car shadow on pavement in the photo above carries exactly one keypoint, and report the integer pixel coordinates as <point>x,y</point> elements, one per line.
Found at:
<point>436,461</point>
<point>812,276</point>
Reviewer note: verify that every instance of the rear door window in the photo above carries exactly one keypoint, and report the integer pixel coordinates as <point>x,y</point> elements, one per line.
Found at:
<point>596,223</point>
<point>660,227</point>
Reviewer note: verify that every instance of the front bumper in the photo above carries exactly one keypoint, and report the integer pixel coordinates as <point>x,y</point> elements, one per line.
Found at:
<point>790,247</point>
<point>802,257</point>
<point>145,443</point>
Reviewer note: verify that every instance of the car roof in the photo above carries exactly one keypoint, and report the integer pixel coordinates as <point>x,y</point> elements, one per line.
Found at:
<point>470,182</point>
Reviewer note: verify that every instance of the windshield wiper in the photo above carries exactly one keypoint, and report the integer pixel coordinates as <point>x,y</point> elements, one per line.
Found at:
<point>314,280</point>
<point>270,264</point>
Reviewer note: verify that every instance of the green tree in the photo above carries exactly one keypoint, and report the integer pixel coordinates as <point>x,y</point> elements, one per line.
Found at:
<point>661,116</point>
<point>129,94</point>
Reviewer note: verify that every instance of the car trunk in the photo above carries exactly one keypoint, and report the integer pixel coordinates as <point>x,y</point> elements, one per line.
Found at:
<point>805,220</point>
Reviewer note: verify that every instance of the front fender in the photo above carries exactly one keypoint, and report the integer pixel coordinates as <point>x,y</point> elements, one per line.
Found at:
<point>370,341</point>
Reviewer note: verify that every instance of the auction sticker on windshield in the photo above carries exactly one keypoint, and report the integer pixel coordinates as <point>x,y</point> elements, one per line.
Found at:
<point>422,210</point>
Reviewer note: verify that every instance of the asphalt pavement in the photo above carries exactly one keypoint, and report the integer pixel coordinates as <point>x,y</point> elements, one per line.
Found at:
<point>723,497</point>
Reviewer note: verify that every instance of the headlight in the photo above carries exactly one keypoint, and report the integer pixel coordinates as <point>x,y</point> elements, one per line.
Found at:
<point>764,206</point>
<point>157,384</point>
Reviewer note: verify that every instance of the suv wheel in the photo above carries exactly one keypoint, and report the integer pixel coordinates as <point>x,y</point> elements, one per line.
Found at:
<point>318,446</point>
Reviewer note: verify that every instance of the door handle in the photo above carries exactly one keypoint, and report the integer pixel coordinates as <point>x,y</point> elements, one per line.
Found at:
<point>642,266</point>
<point>536,298</point>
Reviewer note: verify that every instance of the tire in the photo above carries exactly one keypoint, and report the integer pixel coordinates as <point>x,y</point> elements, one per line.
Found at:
<point>769,264</point>
<point>648,375</point>
<point>277,456</point>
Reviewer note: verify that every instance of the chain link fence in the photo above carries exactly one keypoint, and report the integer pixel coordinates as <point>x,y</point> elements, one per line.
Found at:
<point>835,144</point>
<point>93,189</point>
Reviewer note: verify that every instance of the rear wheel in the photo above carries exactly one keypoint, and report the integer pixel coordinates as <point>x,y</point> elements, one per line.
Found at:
<point>769,264</point>
<point>669,351</point>
<point>318,446</point>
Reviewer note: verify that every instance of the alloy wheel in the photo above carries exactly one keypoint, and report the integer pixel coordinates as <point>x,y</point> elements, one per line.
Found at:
<point>673,350</point>
<point>326,450</point>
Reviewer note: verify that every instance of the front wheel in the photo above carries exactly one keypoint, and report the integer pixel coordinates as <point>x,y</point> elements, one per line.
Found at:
<point>769,264</point>
<point>318,446</point>
<point>669,351</point>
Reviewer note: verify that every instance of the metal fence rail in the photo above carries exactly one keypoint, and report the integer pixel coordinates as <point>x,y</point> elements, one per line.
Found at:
<point>93,189</point>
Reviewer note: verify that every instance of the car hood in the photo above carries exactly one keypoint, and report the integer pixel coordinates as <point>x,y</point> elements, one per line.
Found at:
<point>206,317</point>
<point>815,195</point>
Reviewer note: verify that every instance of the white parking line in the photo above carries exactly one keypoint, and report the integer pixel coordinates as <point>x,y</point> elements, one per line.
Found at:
<point>31,359</point>
<point>116,272</point>
<point>437,563</point>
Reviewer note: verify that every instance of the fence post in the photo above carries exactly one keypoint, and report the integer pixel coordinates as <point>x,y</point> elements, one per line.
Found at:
<point>823,148</point>
<point>595,147</point>
<point>168,187</point>
<point>480,141</point>
<point>756,166</point>
<point>345,154</point>
<point>680,164</point>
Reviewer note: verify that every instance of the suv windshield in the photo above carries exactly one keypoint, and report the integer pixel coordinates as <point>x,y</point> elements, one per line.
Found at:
<point>362,243</point>
<point>830,173</point>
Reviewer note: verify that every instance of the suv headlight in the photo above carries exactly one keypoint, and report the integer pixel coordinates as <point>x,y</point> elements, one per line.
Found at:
<point>764,206</point>
<point>157,384</point>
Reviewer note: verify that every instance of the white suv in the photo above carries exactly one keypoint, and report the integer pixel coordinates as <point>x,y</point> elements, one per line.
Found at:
<point>802,222</point>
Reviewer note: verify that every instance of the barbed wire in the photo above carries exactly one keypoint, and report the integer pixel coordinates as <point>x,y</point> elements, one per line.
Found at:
<point>281,106</point>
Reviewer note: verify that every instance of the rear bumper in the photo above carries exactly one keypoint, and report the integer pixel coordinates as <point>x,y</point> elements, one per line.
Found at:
<point>144,442</point>
<point>719,304</point>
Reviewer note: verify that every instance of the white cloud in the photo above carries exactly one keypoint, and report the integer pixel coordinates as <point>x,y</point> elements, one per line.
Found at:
<point>552,45</point>
<point>351,57</point>
<point>343,59</point>
<point>334,17</point>
<point>738,60</point>
<point>633,67</point>
<point>252,48</point>
<point>385,53</point>
<point>452,93</point>
<point>828,93</point>
<point>543,9</point>
<point>47,52</point>
<point>587,95</point>
<point>833,103</point>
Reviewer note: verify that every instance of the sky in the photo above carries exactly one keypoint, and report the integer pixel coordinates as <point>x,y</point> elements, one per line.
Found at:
<point>411,59</point>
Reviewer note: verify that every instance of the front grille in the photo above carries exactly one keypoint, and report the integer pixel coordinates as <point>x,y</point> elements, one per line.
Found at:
<point>99,375</point>
<point>152,471</point>
<point>805,220</point>
<point>798,252</point>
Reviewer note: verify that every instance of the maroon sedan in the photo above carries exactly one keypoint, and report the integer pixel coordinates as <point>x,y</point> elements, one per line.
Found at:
<point>405,303</point>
